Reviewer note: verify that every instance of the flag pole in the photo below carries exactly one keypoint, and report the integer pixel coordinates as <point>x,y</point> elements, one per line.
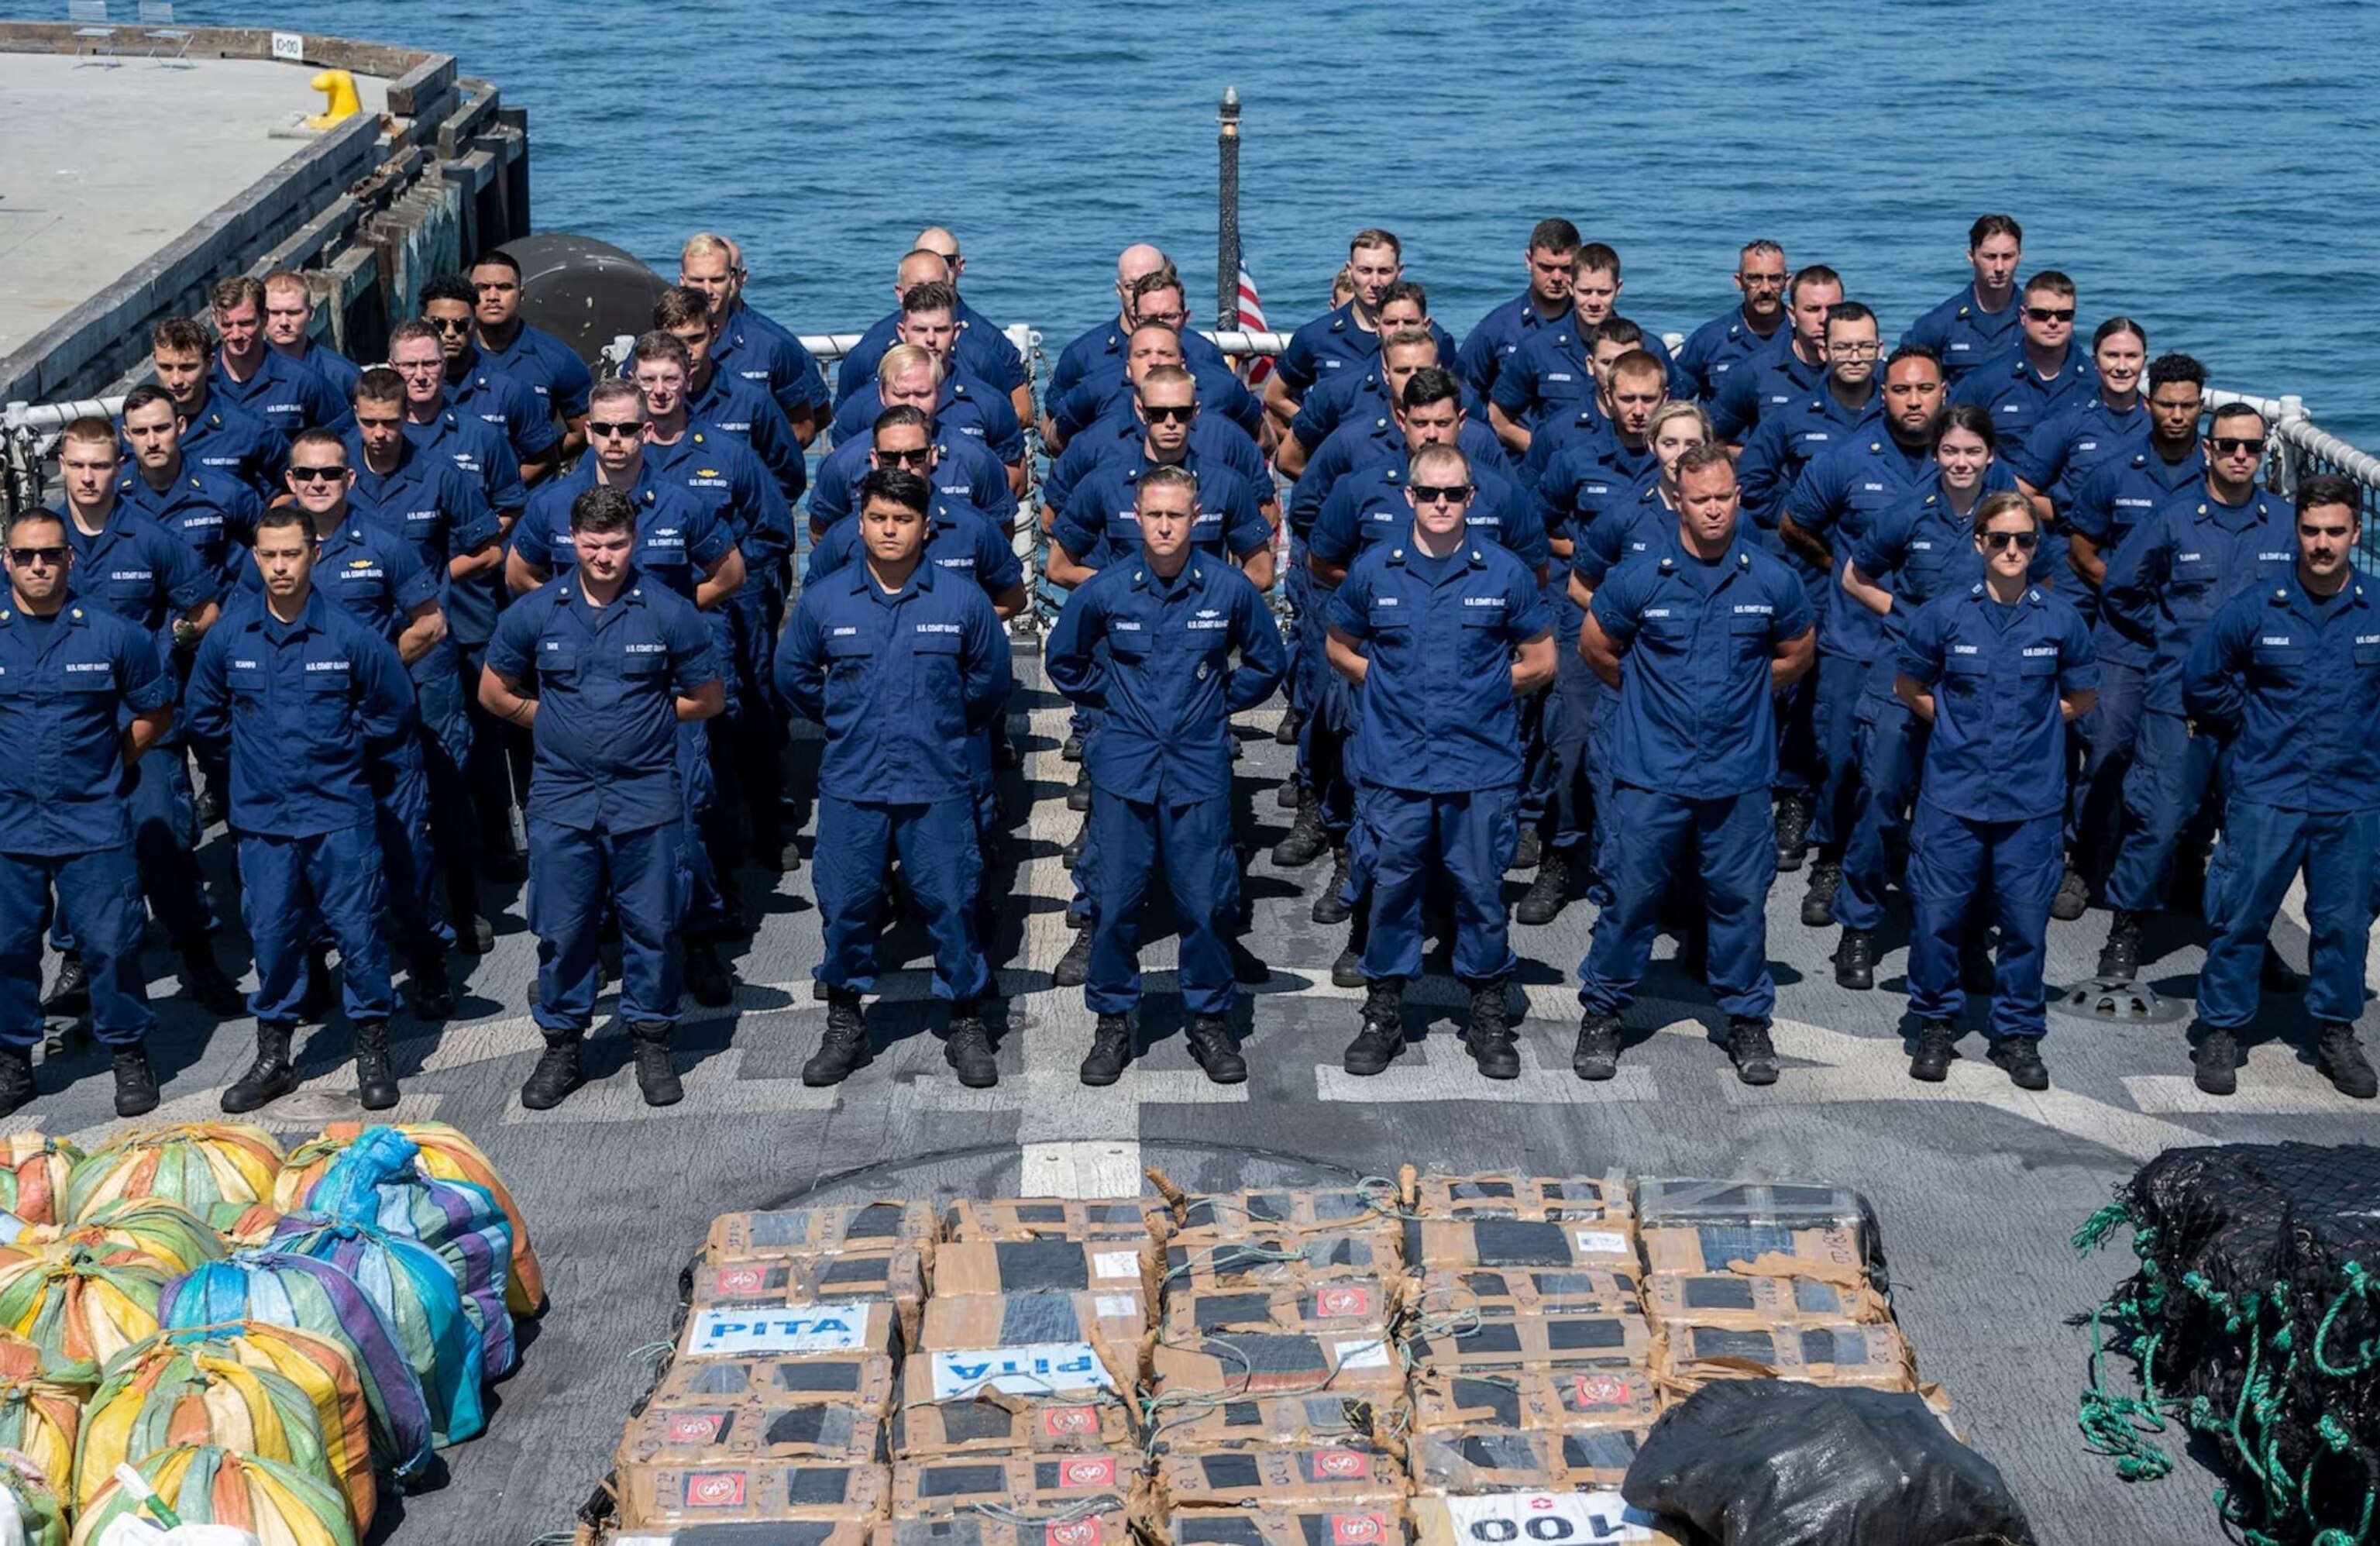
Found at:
<point>1227,225</point>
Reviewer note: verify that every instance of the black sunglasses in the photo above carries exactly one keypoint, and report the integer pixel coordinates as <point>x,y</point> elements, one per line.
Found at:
<point>25,558</point>
<point>451,324</point>
<point>606,429</point>
<point>2232,445</point>
<point>2050,313</point>
<point>1432,493</point>
<point>1182,415</point>
<point>918,457</point>
<point>2023,541</point>
<point>316,474</point>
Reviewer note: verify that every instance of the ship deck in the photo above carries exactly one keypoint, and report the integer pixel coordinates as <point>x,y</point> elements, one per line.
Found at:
<point>1977,1185</point>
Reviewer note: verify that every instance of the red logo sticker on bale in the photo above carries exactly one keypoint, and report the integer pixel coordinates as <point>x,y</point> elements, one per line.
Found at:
<point>1346,1300</point>
<point>1073,1532</point>
<point>1339,1464</point>
<point>1358,1530</point>
<point>1062,1421</point>
<point>1605,1390</point>
<point>741,1279</point>
<point>714,1490</point>
<point>1097,1470</point>
<point>696,1428</point>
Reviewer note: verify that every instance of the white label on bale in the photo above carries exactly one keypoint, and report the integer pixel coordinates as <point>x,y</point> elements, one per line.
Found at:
<point>1370,1354</point>
<point>1034,1368</point>
<point>1602,1242</point>
<point>290,46</point>
<point>1520,1518</point>
<point>1116,1264</point>
<point>716,1333</point>
<point>1123,1306</point>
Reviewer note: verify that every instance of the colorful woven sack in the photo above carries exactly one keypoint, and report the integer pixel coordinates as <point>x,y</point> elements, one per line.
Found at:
<point>319,1298</point>
<point>164,1394</point>
<point>446,1154</point>
<point>41,1410</point>
<point>417,1296</point>
<point>148,1228</point>
<point>279,1504</point>
<point>43,1517</point>
<point>77,1307</point>
<point>317,1366</point>
<point>197,1164</point>
<point>380,1181</point>
<point>243,1224</point>
<point>33,1171</point>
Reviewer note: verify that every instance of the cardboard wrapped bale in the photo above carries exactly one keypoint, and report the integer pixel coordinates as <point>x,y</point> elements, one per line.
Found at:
<point>973,1268</point>
<point>686,1434</point>
<point>863,1383</point>
<point>1505,1460</point>
<point>1256,1363</point>
<point>1601,1516</point>
<point>1375,1524</point>
<point>1278,1477</point>
<point>949,1486</point>
<point>1541,1342</point>
<point>1826,1255</point>
<point>1664,1203</point>
<point>843,1329</point>
<point>783,1532</point>
<point>1513,1293</point>
<point>1605,1245</point>
<point>1040,1370</point>
<point>897,1275</point>
<point>1536,1399</point>
<point>1738,1299</point>
<point>1188,1422</point>
<point>660,1498</point>
<point>1213,1218</point>
<point>1052,1525</point>
<point>1509,1195</point>
<point>993,1423</point>
<point>1112,1322</point>
<point>1039,1218</point>
<point>829,1231</point>
<point>1334,1306</point>
<point>1872,1358</point>
<point>1280,1260</point>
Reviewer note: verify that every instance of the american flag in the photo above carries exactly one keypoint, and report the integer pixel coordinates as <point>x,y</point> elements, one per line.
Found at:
<point>1252,320</point>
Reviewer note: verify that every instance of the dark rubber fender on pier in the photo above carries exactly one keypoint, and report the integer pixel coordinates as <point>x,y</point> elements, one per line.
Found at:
<point>584,291</point>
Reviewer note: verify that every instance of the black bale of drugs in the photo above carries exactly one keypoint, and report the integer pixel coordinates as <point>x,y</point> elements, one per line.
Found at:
<point>1780,1463</point>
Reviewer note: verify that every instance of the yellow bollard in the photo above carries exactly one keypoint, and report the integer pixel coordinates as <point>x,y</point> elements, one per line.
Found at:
<point>340,102</point>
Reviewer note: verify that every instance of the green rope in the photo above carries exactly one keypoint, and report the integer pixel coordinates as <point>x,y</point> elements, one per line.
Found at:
<point>2098,1226</point>
<point>2359,1287</point>
<point>2336,1437</point>
<point>2118,1425</point>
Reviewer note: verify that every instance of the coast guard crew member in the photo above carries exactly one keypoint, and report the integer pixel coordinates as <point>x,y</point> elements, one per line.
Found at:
<point>1117,434</point>
<point>1351,396</point>
<point>1550,371</point>
<point>1998,671</point>
<point>1158,300</point>
<point>976,348</point>
<point>126,563</point>
<point>310,702</point>
<point>2065,449</point>
<point>1160,764</point>
<point>751,346</point>
<point>2197,551</point>
<point>2287,677</point>
<point>905,664</point>
<point>290,328</point>
<point>1790,368</point>
<point>2117,496</point>
<point>962,403</point>
<point>1006,366</point>
<point>1101,350</point>
<point>726,401</point>
<point>216,432</point>
<point>213,511</point>
<point>603,665</point>
<point>1553,242</point>
<point>958,466</point>
<point>1980,322</point>
<point>249,371</point>
<point>1713,350</point>
<point>1345,337</point>
<point>82,698</point>
<point>1697,637</point>
<point>476,387</point>
<point>1440,633</point>
<point>531,355</point>
<point>2044,376</point>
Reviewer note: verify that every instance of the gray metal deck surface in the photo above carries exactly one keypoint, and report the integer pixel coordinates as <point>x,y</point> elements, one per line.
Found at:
<point>1977,1185</point>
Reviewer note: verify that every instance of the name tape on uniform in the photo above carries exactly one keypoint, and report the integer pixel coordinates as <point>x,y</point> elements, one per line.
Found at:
<point>1030,1368</point>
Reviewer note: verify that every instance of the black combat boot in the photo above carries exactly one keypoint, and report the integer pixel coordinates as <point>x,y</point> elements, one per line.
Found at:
<point>1597,1056</point>
<point>2343,1063</point>
<point>1748,1047</point>
<point>269,1077</point>
<point>2217,1063</point>
<point>1937,1043</point>
<point>375,1070</point>
<point>557,1071</point>
<point>1331,905</point>
<point>70,994</point>
<point>1548,891</point>
<point>1488,1034</point>
<point>1382,1034</point>
<point>1819,902</point>
<point>136,1082</point>
<point>1211,1045</point>
<point>966,1047</point>
<point>1792,831</point>
<point>843,1048</point>
<point>707,979</point>
<point>1073,967</point>
<point>203,980</point>
<point>1306,841</point>
<point>1855,960</point>
<point>16,1079</point>
<point>430,997</point>
<point>2021,1057</point>
<point>1111,1050</point>
<point>1528,850</point>
<point>657,1078</point>
<point>2120,956</point>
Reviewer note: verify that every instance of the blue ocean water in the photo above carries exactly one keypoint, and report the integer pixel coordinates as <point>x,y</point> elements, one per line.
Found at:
<point>2206,169</point>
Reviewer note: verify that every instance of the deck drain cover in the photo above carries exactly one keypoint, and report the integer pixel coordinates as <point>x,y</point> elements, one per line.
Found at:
<point>2121,1001</point>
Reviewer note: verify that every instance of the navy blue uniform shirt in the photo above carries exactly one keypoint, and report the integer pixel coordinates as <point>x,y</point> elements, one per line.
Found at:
<point>141,572</point>
<point>1964,335</point>
<point>1997,750</point>
<point>1760,383</point>
<point>982,352</point>
<point>548,367</point>
<point>1712,351</point>
<point>735,407</point>
<point>1100,528</point>
<point>1838,493</point>
<point>2112,499</point>
<point>767,355</point>
<point>1221,395</point>
<point>215,512</point>
<point>2182,564</point>
<point>283,393</point>
<point>1100,353</point>
<point>1165,681</point>
<point>1370,507</point>
<point>1919,549</point>
<point>607,680</point>
<point>370,573</point>
<point>967,407</point>
<point>508,404</point>
<point>959,539</point>
<point>721,473</point>
<point>964,472</point>
<point>2068,446</point>
<point>2020,401</point>
<point>904,683</point>
<point>1118,437</point>
<point>65,693</point>
<point>1334,342</point>
<point>233,441</point>
<point>435,504</point>
<point>677,538</point>
<point>1490,344</point>
<point>2294,685</point>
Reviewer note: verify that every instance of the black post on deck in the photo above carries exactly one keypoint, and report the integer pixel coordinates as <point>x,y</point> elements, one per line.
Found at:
<point>1227,224</point>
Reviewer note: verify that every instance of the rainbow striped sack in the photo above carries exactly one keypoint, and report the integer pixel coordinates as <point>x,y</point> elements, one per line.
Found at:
<point>380,1182</point>
<point>197,1164</point>
<point>77,1307</point>
<point>41,1410</point>
<point>148,1228</point>
<point>33,1171</point>
<point>446,1154</point>
<point>164,1394</point>
<point>417,1294</point>
<point>243,1224</point>
<point>319,1298</point>
<point>321,1369</point>
<point>279,1504</point>
<point>37,1502</point>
